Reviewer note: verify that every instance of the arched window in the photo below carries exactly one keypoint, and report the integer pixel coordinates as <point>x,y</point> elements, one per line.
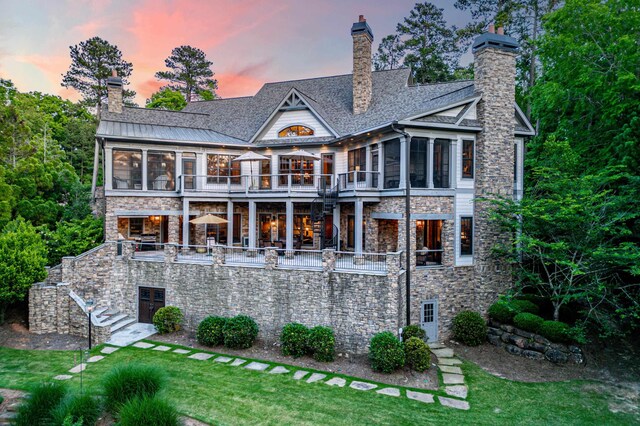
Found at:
<point>293,131</point>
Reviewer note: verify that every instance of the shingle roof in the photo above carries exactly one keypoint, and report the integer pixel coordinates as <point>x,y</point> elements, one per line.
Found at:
<point>331,97</point>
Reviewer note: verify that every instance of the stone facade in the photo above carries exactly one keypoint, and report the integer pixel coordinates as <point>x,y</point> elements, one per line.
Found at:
<point>113,225</point>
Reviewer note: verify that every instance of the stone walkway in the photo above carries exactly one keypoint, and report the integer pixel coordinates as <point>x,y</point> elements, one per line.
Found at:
<point>452,375</point>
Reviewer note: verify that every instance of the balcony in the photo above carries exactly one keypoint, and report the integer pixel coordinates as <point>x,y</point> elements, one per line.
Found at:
<point>255,184</point>
<point>359,181</point>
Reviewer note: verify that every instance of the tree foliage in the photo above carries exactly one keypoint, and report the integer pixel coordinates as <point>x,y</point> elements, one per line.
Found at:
<point>167,99</point>
<point>390,53</point>
<point>92,62</point>
<point>189,73</point>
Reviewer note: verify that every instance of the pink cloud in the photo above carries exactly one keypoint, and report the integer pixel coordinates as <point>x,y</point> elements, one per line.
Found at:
<point>90,28</point>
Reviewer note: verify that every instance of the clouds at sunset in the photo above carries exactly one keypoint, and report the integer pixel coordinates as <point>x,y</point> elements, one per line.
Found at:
<point>249,41</point>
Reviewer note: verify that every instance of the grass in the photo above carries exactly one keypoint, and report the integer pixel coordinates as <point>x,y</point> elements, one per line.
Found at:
<point>219,393</point>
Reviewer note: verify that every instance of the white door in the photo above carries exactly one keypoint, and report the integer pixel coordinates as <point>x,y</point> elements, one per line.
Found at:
<point>429,319</point>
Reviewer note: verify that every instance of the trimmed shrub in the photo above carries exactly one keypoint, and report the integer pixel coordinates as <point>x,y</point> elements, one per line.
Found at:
<point>525,306</point>
<point>417,354</point>
<point>556,331</point>
<point>470,328</point>
<point>83,409</point>
<point>294,339</point>
<point>386,352</point>
<point>39,407</point>
<point>322,343</point>
<point>209,331</point>
<point>413,331</point>
<point>528,322</point>
<point>130,381</point>
<point>501,311</point>
<point>148,411</point>
<point>168,319</point>
<point>240,332</point>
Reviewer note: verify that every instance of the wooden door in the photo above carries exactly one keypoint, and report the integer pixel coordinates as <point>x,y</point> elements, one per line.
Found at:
<point>150,299</point>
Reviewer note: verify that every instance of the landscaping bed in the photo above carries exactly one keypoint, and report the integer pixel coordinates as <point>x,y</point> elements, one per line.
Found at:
<point>356,366</point>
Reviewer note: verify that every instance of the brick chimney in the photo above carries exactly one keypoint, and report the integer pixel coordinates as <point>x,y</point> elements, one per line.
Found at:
<point>114,93</point>
<point>495,80</point>
<point>362,80</point>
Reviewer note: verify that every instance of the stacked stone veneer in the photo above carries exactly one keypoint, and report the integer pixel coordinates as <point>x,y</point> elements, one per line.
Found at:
<point>532,346</point>
<point>355,305</point>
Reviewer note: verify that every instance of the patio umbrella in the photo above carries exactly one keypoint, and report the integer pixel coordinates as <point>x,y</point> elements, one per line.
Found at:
<point>300,154</point>
<point>251,157</point>
<point>208,219</point>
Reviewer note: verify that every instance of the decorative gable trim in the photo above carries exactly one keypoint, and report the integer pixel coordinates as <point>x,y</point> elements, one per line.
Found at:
<point>293,101</point>
<point>465,103</point>
<point>522,119</point>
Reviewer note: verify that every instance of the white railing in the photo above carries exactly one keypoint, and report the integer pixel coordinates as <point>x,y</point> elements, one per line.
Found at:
<point>359,180</point>
<point>292,182</point>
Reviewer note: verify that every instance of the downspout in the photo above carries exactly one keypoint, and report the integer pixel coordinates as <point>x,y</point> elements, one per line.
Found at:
<point>407,216</point>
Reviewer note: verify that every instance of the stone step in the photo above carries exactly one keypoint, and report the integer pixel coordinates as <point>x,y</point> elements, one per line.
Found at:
<point>99,311</point>
<point>109,320</point>
<point>120,325</point>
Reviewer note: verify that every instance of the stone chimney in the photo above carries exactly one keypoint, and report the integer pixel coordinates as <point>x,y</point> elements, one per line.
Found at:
<point>495,80</point>
<point>362,80</point>
<point>114,93</point>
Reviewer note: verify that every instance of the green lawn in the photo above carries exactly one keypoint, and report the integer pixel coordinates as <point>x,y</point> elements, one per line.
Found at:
<point>221,394</point>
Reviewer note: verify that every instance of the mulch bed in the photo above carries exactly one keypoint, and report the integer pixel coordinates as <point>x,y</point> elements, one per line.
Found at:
<point>17,336</point>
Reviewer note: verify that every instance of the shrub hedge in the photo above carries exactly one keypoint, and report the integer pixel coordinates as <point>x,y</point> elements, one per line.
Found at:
<point>501,311</point>
<point>209,331</point>
<point>386,353</point>
<point>322,343</point>
<point>148,411</point>
<point>294,339</point>
<point>83,409</point>
<point>126,382</point>
<point>525,306</point>
<point>240,332</point>
<point>417,354</point>
<point>528,322</point>
<point>38,408</point>
<point>413,331</point>
<point>168,319</point>
<point>470,328</point>
<point>556,331</point>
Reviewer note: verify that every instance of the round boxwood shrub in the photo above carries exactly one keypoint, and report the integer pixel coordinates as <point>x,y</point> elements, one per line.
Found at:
<point>417,354</point>
<point>413,331</point>
<point>240,332</point>
<point>168,319</point>
<point>209,331</point>
<point>148,411</point>
<point>386,353</point>
<point>470,328</point>
<point>322,343</point>
<point>528,322</point>
<point>130,381</point>
<point>74,408</point>
<point>294,338</point>
<point>501,311</point>
<point>38,408</point>
<point>525,306</point>
<point>556,331</point>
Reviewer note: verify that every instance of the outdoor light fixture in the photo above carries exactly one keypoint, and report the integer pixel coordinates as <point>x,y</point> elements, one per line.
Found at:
<point>89,307</point>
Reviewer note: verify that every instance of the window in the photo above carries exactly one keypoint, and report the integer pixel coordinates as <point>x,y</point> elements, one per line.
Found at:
<point>351,234</point>
<point>295,131</point>
<point>127,169</point>
<point>220,167</point>
<point>428,242</point>
<point>441,163</point>
<point>467,159</point>
<point>301,171</point>
<point>265,174</point>
<point>392,164</point>
<point>189,170</point>
<point>327,170</point>
<point>136,226</point>
<point>418,162</point>
<point>357,161</point>
<point>466,236</point>
<point>161,170</point>
<point>375,155</point>
<point>302,229</point>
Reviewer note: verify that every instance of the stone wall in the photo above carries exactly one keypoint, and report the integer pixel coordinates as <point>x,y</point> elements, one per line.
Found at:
<point>134,203</point>
<point>532,346</point>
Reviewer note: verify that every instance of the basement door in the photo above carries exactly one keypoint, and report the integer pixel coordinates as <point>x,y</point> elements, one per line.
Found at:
<point>150,299</point>
<point>429,319</point>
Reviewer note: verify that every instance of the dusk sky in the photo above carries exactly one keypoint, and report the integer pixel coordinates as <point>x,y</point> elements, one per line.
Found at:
<point>249,41</point>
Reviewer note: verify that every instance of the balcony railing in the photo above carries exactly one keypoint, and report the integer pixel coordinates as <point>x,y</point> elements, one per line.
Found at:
<point>350,261</point>
<point>256,183</point>
<point>357,180</point>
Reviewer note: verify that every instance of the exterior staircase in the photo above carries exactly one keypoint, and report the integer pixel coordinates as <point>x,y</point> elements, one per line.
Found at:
<point>105,317</point>
<point>322,206</point>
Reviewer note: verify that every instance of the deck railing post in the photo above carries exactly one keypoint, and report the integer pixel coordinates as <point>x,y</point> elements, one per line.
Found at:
<point>270,258</point>
<point>328,260</point>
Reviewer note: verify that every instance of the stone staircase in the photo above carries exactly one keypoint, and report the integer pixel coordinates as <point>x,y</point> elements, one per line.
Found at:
<point>105,317</point>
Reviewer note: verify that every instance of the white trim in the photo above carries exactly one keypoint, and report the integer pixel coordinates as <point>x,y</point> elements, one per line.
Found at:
<point>464,113</point>
<point>444,108</point>
<point>526,121</point>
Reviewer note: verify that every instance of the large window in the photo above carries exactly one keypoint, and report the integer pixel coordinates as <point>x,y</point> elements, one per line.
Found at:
<point>418,164</point>
<point>467,159</point>
<point>392,164</point>
<point>127,169</point>
<point>295,131</point>
<point>466,236</point>
<point>357,161</point>
<point>428,242</point>
<point>161,171</point>
<point>302,229</point>
<point>441,163</point>
<point>220,168</point>
<point>265,174</point>
<point>301,171</point>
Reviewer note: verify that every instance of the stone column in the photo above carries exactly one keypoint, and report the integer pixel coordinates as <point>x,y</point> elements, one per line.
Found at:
<point>404,162</point>
<point>217,255</point>
<point>230,223</point>
<point>185,223</point>
<point>174,229</point>
<point>289,243</point>
<point>67,269</point>
<point>252,224</point>
<point>62,308</point>
<point>430,164</point>
<point>328,260</point>
<point>170,253</point>
<point>144,170</point>
<point>270,258</point>
<point>127,250</point>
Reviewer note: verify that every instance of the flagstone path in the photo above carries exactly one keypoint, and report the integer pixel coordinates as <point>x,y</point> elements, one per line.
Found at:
<point>452,374</point>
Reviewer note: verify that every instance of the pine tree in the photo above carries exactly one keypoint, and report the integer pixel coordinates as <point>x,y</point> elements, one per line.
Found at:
<point>190,73</point>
